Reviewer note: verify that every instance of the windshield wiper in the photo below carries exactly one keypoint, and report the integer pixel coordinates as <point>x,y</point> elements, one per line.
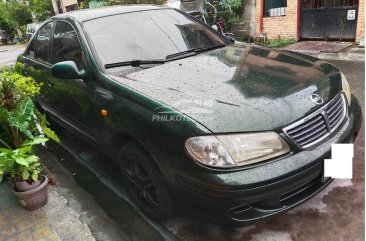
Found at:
<point>199,50</point>
<point>134,63</point>
<point>191,52</point>
<point>187,53</point>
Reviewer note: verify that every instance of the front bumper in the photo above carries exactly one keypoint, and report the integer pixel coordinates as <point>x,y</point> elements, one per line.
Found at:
<point>243,197</point>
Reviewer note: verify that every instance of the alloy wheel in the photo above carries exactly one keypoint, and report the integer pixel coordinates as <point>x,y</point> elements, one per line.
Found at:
<point>142,185</point>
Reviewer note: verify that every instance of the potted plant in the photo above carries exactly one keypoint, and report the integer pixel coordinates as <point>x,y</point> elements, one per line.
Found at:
<point>22,127</point>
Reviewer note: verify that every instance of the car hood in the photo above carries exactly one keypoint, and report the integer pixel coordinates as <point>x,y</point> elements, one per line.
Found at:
<point>239,87</point>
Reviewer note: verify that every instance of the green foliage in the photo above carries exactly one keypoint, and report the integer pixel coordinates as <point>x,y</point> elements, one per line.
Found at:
<point>84,4</point>
<point>228,10</point>
<point>4,24</point>
<point>44,126</point>
<point>20,117</point>
<point>40,8</point>
<point>97,4</point>
<point>279,42</point>
<point>21,163</point>
<point>230,19</point>
<point>15,14</point>
<point>230,4</point>
<point>22,126</point>
<point>23,86</point>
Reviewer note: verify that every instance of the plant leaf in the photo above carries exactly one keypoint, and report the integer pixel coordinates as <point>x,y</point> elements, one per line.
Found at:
<point>31,159</point>
<point>23,150</point>
<point>5,151</point>
<point>25,175</point>
<point>21,116</point>
<point>47,131</point>
<point>35,141</point>
<point>3,161</point>
<point>34,176</point>
<point>21,161</point>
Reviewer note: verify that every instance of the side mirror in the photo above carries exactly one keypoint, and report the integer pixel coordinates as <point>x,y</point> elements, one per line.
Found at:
<point>67,70</point>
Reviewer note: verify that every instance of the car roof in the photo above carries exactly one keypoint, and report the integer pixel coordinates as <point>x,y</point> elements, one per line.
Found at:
<point>88,14</point>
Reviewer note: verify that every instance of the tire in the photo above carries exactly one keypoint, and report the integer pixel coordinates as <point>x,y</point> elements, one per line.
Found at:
<point>144,182</point>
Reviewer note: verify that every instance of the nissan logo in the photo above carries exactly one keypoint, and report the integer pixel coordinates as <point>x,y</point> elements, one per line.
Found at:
<point>316,99</point>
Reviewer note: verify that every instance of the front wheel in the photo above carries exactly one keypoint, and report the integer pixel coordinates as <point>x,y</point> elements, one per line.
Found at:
<point>144,182</point>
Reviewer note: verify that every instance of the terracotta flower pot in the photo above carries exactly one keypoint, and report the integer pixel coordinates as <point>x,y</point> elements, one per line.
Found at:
<point>34,198</point>
<point>25,186</point>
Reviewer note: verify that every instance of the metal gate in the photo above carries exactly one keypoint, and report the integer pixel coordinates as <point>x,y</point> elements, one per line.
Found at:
<point>328,19</point>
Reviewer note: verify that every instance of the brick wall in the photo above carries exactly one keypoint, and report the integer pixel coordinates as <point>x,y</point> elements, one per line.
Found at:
<point>361,21</point>
<point>285,26</point>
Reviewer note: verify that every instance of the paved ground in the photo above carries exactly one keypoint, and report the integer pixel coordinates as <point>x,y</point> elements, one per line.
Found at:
<point>72,212</point>
<point>318,46</point>
<point>355,54</point>
<point>9,53</point>
<point>16,224</point>
<point>343,51</point>
<point>336,214</point>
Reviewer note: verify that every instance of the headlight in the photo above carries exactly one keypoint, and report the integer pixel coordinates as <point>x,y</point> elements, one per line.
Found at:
<point>226,151</point>
<point>346,88</point>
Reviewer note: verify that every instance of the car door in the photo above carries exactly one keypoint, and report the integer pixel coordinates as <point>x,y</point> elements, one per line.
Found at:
<point>74,99</point>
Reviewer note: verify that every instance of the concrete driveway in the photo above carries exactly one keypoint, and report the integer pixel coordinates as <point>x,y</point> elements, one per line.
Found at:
<point>9,53</point>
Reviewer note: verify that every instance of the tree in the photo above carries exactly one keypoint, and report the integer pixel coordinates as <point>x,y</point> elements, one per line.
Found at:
<point>15,14</point>
<point>4,25</point>
<point>40,9</point>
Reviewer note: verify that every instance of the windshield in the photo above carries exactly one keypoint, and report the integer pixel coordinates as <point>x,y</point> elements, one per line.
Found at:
<point>148,35</point>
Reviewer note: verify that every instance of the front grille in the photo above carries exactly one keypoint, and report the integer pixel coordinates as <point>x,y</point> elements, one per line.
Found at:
<point>320,124</point>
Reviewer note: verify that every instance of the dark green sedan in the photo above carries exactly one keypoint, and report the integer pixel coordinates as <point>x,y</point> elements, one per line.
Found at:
<point>228,132</point>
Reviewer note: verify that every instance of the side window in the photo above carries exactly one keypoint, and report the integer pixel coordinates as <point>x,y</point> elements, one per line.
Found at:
<point>43,43</point>
<point>66,44</point>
